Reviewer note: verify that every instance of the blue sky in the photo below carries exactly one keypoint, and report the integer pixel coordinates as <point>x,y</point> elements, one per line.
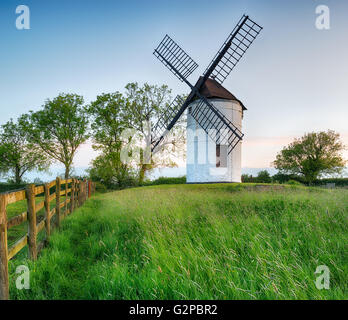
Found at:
<point>293,79</point>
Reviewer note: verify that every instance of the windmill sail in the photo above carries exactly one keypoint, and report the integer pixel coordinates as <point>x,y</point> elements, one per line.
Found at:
<point>182,66</point>
<point>175,58</point>
<point>216,125</point>
<point>163,122</point>
<point>233,49</point>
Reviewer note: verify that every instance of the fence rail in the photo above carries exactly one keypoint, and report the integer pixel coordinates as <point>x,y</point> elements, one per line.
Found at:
<point>75,193</point>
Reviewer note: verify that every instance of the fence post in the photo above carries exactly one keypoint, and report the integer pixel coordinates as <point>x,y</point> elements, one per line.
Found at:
<point>77,188</point>
<point>4,290</point>
<point>58,201</point>
<point>89,188</point>
<point>81,193</point>
<point>86,190</point>
<point>72,195</point>
<point>66,199</point>
<point>47,212</point>
<point>30,192</point>
<point>76,193</point>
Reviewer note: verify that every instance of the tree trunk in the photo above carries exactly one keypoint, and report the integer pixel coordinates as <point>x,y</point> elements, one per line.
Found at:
<point>142,173</point>
<point>67,172</point>
<point>17,175</point>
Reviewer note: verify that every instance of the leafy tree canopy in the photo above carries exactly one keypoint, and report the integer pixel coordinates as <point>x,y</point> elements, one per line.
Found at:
<point>108,115</point>
<point>114,115</point>
<point>59,128</point>
<point>312,156</point>
<point>108,121</point>
<point>147,104</point>
<point>263,176</point>
<point>17,155</point>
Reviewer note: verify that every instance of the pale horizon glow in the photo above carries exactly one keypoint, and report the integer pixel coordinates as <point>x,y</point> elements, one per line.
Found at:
<point>266,149</point>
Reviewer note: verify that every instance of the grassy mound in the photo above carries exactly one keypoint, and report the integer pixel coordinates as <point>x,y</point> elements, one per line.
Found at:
<point>196,242</point>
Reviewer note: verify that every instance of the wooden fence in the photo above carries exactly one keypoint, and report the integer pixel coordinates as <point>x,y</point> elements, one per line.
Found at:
<point>75,192</point>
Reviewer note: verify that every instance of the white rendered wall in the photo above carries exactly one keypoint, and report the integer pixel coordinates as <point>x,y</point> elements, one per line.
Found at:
<point>201,149</point>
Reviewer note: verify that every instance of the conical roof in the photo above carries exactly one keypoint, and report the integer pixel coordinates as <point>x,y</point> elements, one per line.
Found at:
<point>213,89</point>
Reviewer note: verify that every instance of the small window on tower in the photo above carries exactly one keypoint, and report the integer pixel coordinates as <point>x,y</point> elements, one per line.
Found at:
<point>221,156</point>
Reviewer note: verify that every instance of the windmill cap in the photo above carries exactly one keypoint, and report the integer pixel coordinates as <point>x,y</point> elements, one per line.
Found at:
<point>213,89</point>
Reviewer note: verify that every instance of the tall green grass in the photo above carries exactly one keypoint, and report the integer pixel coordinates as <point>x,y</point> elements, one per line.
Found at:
<point>196,242</point>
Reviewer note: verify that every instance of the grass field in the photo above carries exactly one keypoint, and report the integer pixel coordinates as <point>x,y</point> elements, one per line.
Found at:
<point>196,242</point>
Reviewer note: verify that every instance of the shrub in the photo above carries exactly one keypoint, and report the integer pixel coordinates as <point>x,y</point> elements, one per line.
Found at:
<point>339,182</point>
<point>294,183</point>
<point>247,178</point>
<point>284,178</point>
<point>263,177</point>
<point>166,180</point>
<point>4,187</point>
<point>99,187</point>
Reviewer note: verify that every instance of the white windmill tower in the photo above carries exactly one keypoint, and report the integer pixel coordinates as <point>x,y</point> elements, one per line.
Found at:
<point>214,120</point>
<point>207,160</point>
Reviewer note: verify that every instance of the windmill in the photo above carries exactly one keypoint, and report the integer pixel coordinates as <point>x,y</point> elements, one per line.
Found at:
<point>211,107</point>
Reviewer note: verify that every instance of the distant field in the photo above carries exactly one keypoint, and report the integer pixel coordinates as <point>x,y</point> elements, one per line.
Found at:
<point>196,242</point>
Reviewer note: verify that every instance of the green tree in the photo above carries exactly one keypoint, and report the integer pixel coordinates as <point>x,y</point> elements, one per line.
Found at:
<point>146,104</point>
<point>59,128</point>
<point>282,177</point>
<point>17,155</point>
<point>110,171</point>
<point>247,178</point>
<point>312,156</point>
<point>108,122</point>
<point>107,113</point>
<point>263,176</point>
